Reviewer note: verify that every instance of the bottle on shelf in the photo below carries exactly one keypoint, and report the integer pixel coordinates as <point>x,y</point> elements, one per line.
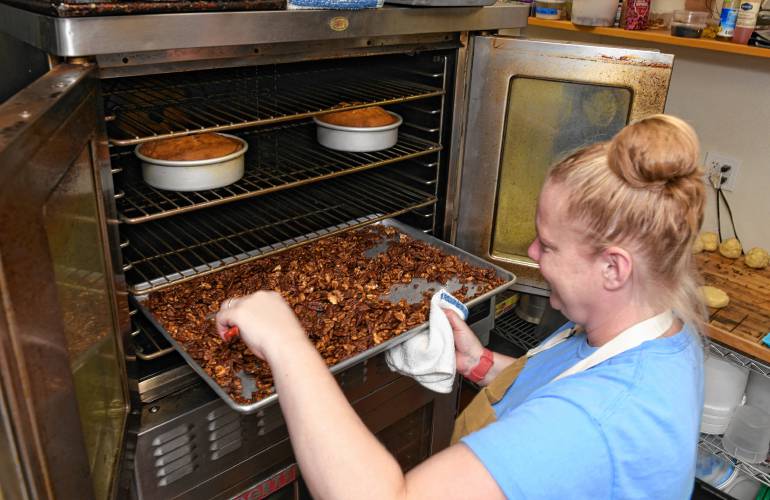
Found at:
<point>727,18</point>
<point>637,15</point>
<point>746,21</point>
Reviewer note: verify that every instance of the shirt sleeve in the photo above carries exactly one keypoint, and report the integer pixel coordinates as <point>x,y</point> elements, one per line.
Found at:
<point>547,447</point>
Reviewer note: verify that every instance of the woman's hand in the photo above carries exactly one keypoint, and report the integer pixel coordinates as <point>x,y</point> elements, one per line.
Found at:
<point>468,349</point>
<point>264,320</point>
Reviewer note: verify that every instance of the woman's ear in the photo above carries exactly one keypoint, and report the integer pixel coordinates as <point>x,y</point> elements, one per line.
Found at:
<point>616,266</point>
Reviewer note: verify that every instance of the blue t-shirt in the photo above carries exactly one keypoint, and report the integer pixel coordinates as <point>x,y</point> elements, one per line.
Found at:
<point>626,428</point>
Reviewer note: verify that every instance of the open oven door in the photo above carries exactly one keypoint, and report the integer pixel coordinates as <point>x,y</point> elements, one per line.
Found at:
<point>528,104</point>
<point>63,393</point>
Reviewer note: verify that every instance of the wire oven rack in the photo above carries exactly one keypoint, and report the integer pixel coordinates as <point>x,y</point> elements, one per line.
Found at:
<point>141,109</point>
<point>515,330</point>
<point>159,253</point>
<point>278,158</point>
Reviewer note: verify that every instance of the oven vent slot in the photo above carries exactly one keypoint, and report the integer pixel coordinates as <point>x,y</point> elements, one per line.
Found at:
<point>225,434</point>
<point>278,158</point>
<point>193,244</point>
<point>174,454</point>
<point>152,107</point>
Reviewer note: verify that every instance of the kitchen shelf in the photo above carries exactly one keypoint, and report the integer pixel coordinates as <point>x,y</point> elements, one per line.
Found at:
<point>654,36</point>
<point>167,251</point>
<point>739,359</point>
<point>713,444</point>
<point>147,108</point>
<point>278,158</point>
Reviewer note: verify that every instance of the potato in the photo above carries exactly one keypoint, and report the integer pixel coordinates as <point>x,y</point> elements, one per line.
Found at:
<point>714,297</point>
<point>697,245</point>
<point>710,241</point>
<point>731,248</point>
<point>757,258</point>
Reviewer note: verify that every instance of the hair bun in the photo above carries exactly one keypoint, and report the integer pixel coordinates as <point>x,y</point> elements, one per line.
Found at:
<point>654,151</point>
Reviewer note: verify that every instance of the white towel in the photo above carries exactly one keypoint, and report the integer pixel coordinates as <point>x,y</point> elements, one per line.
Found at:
<point>429,357</point>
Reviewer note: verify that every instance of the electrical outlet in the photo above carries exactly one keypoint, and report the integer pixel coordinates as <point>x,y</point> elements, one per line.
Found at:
<point>721,170</point>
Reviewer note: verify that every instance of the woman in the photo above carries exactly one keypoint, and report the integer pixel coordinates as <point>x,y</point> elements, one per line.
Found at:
<point>609,410</point>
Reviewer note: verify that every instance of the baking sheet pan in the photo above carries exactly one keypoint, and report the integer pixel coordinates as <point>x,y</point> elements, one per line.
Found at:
<point>408,291</point>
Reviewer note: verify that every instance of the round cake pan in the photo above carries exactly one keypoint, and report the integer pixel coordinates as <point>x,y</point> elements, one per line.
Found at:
<point>357,139</point>
<point>193,175</point>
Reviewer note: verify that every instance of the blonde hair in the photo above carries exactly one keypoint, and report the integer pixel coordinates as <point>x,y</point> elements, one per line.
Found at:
<point>644,191</point>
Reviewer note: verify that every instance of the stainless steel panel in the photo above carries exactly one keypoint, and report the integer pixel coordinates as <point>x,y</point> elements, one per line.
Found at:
<point>496,61</point>
<point>272,399</point>
<point>379,396</point>
<point>113,34</point>
<point>177,60</point>
<point>52,148</point>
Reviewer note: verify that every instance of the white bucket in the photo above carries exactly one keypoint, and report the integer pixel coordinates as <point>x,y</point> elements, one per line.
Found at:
<point>594,12</point>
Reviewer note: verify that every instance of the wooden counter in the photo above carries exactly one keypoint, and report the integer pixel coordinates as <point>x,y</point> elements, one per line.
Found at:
<point>746,319</point>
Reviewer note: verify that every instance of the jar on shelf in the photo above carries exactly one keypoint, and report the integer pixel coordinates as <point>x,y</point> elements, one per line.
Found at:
<point>662,12</point>
<point>637,15</point>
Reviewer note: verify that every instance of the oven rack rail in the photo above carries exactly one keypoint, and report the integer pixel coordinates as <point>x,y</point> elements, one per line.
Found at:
<point>148,344</point>
<point>713,444</point>
<point>278,158</point>
<point>141,109</point>
<point>168,251</point>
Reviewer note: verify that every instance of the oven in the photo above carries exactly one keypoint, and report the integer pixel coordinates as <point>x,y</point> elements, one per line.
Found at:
<point>95,403</point>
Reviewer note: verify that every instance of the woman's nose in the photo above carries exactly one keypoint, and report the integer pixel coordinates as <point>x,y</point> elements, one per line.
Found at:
<point>534,250</point>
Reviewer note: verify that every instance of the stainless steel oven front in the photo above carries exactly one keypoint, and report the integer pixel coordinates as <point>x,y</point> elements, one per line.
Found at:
<point>81,233</point>
<point>71,186</point>
<point>531,102</point>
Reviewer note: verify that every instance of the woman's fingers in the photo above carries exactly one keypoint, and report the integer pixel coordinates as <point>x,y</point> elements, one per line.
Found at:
<point>224,317</point>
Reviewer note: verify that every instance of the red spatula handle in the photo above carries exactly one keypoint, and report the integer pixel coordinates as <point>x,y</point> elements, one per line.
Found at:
<point>231,333</point>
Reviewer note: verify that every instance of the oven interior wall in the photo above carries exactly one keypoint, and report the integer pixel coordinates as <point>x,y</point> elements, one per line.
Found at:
<point>185,440</point>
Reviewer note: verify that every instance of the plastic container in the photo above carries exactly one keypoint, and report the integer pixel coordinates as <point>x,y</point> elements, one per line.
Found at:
<point>758,391</point>
<point>714,470</point>
<point>747,438</point>
<point>594,12</point>
<point>688,23</point>
<point>746,21</point>
<point>549,9</point>
<point>662,11</point>
<point>743,487</point>
<point>724,385</point>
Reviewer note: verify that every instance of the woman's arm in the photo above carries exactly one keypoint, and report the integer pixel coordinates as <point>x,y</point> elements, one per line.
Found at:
<point>468,350</point>
<point>339,457</point>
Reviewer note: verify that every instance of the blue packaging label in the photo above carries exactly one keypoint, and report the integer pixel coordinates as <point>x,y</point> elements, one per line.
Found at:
<point>546,11</point>
<point>727,22</point>
<point>449,299</point>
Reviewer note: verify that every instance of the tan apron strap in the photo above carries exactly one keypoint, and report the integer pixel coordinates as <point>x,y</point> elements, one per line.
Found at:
<point>479,413</point>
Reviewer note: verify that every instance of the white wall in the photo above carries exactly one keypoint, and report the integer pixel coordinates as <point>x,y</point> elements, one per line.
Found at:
<point>726,98</point>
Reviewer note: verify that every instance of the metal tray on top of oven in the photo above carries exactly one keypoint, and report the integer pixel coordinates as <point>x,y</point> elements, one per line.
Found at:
<point>412,292</point>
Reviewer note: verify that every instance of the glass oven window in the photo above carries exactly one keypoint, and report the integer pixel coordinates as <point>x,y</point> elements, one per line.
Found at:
<point>545,120</point>
<point>74,238</point>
